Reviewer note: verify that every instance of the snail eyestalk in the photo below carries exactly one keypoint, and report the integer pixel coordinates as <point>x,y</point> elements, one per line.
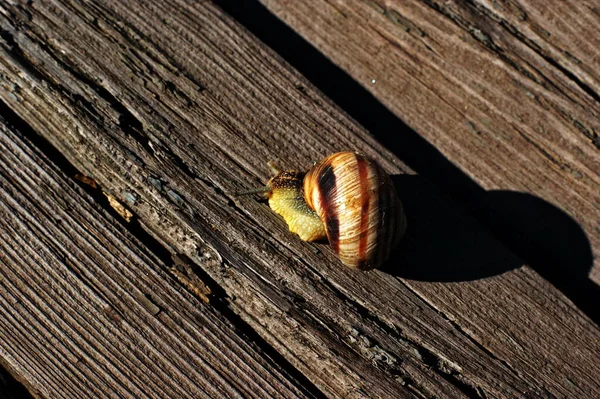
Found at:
<point>274,168</point>
<point>260,190</point>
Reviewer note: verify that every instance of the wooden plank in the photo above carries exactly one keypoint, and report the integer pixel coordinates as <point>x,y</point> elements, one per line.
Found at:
<point>173,107</point>
<point>507,91</point>
<point>87,310</point>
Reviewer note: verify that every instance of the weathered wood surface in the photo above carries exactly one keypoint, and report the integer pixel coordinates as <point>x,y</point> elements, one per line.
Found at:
<point>508,91</point>
<point>172,107</point>
<point>88,311</point>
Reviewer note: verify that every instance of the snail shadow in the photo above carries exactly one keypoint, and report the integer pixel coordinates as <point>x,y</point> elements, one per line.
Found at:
<point>551,242</point>
<point>445,244</point>
<point>449,239</point>
<point>441,243</point>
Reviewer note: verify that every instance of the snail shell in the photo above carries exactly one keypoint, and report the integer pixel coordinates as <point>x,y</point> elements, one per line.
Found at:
<point>347,198</point>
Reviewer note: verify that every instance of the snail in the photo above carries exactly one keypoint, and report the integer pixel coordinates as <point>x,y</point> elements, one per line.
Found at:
<point>348,199</point>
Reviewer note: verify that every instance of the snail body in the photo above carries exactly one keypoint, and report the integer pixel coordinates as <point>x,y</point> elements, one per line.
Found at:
<point>348,199</point>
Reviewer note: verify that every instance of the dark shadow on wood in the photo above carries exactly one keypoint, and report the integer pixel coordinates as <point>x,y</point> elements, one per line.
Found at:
<point>442,243</point>
<point>10,388</point>
<point>551,242</point>
<point>510,217</point>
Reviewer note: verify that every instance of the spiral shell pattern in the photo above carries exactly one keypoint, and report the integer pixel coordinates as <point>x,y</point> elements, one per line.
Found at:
<point>357,202</point>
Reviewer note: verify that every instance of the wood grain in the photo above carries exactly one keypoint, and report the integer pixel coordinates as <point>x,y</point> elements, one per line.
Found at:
<point>172,107</point>
<point>88,311</point>
<point>507,90</point>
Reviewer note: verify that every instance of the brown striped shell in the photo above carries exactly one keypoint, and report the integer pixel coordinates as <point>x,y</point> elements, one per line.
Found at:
<point>357,202</point>
<point>349,199</point>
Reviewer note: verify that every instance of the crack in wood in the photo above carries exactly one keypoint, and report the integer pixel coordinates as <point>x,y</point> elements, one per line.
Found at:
<point>456,326</point>
<point>219,299</point>
<point>387,361</point>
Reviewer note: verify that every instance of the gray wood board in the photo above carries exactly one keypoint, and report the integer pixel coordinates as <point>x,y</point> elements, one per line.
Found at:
<point>173,107</point>
<point>88,311</point>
